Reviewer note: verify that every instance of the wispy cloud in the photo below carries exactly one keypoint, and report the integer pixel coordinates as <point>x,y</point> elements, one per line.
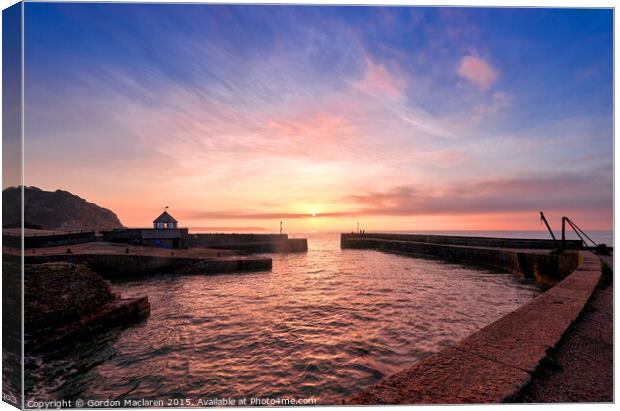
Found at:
<point>378,81</point>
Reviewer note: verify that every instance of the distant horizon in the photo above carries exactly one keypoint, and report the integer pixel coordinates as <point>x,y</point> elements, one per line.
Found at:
<point>554,220</point>
<point>443,118</point>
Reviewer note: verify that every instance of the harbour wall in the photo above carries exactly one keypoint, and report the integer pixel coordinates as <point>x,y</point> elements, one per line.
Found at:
<point>526,243</point>
<point>117,266</point>
<point>250,243</point>
<point>48,240</point>
<point>543,266</point>
<point>223,239</point>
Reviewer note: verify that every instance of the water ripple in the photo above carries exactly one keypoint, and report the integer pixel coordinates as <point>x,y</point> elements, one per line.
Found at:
<point>323,324</point>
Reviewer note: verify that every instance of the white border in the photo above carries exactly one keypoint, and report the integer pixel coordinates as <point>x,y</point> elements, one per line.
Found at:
<point>471,3</point>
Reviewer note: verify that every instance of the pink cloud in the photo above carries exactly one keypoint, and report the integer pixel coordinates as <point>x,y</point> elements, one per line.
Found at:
<point>315,125</point>
<point>379,81</point>
<point>306,133</point>
<point>568,193</point>
<point>444,157</point>
<point>478,71</point>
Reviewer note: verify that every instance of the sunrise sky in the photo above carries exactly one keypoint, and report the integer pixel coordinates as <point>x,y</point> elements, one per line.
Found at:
<point>400,118</point>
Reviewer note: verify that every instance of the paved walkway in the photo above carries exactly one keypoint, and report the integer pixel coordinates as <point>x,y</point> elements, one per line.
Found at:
<point>582,367</point>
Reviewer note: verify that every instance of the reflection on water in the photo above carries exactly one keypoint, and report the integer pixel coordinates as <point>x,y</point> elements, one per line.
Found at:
<point>322,324</point>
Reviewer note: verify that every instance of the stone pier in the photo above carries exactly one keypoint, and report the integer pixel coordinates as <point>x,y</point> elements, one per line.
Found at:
<point>526,258</point>
<point>118,266</point>
<point>116,261</point>
<point>250,243</point>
